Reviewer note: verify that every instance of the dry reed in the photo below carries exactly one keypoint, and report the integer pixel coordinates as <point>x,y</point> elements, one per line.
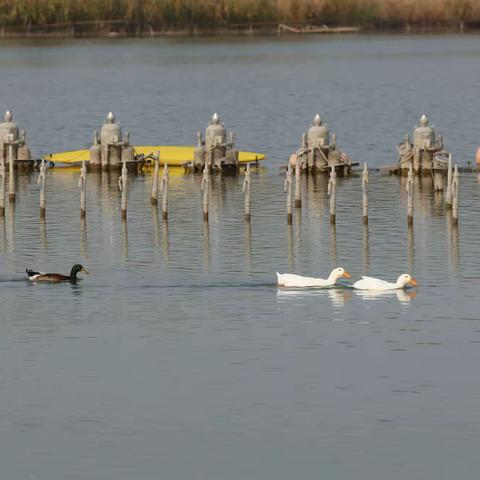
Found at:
<point>141,15</point>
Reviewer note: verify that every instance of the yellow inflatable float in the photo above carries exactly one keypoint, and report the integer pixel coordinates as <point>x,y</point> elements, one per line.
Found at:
<point>174,156</point>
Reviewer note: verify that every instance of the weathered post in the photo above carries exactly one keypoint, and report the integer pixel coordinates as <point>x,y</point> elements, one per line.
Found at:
<point>2,189</point>
<point>365,193</point>
<point>41,181</point>
<point>448,197</point>
<point>455,181</point>
<point>205,188</point>
<point>122,185</point>
<point>164,190</point>
<point>332,192</point>
<point>288,188</point>
<point>11,172</point>
<point>298,183</point>
<point>246,191</point>
<point>410,196</point>
<point>82,183</point>
<point>154,197</point>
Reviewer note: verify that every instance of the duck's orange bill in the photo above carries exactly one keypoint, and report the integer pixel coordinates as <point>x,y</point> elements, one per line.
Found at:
<point>85,271</point>
<point>346,275</point>
<point>413,282</point>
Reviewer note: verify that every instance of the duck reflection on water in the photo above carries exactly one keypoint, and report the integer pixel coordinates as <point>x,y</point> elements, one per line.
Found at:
<point>403,296</point>
<point>338,296</point>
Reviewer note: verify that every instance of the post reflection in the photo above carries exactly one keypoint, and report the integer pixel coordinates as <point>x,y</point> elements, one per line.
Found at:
<point>43,232</point>
<point>365,249</point>
<point>165,239</point>
<point>290,254</point>
<point>453,242</point>
<point>83,237</point>
<point>206,244</point>
<point>3,235</point>
<point>316,189</point>
<point>410,248</point>
<point>155,226</point>
<point>11,228</point>
<point>248,245</point>
<point>124,240</point>
<point>438,205</point>
<point>333,243</point>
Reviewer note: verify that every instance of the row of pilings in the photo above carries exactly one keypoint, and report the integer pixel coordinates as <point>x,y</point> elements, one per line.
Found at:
<point>293,196</point>
<point>158,198</point>
<point>451,198</point>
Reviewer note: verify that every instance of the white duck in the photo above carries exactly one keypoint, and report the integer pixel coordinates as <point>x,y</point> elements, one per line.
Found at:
<point>370,283</point>
<point>290,280</point>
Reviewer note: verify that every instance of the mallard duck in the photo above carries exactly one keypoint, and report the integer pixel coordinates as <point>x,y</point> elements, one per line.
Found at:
<point>55,277</point>
<point>290,280</point>
<point>370,283</point>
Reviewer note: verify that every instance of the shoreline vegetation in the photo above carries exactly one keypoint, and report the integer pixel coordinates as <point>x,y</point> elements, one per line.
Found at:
<point>111,18</point>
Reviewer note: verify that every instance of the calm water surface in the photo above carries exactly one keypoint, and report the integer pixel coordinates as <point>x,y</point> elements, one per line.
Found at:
<point>178,357</point>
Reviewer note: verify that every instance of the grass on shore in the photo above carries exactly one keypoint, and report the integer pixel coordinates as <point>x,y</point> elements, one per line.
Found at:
<point>157,14</point>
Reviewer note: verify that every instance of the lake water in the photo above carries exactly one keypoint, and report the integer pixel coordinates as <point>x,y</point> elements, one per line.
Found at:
<point>178,357</point>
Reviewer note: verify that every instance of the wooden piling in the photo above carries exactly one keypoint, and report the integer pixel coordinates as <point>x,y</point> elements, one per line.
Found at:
<point>448,197</point>
<point>288,188</point>
<point>332,192</point>
<point>247,191</point>
<point>164,190</point>
<point>41,181</point>
<point>409,188</point>
<point>11,175</point>
<point>298,183</point>
<point>2,189</point>
<point>82,183</point>
<point>154,196</point>
<point>455,184</point>
<point>205,189</point>
<point>122,185</point>
<point>365,193</point>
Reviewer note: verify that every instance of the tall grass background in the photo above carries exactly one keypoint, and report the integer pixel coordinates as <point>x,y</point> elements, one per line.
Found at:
<point>158,14</point>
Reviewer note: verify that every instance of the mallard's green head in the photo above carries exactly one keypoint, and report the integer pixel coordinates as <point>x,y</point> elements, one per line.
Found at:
<point>76,269</point>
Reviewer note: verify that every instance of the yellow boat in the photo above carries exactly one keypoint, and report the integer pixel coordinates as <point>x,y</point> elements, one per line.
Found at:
<point>174,156</point>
